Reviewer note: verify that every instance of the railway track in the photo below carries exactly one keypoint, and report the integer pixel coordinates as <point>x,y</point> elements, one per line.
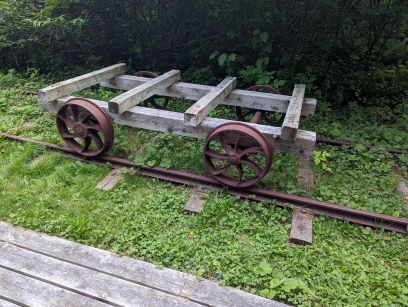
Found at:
<point>361,217</point>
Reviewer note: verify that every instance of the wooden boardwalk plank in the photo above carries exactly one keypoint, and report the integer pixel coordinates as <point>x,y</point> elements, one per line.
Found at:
<point>242,98</point>
<point>60,89</point>
<point>85,281</point>
<point>124,269</point>
<point>4,303</point>
<point>200,110</point>
<point>167,121</point>
<point>133,97</point>
<point>26,290</point>
<point>290,125</point>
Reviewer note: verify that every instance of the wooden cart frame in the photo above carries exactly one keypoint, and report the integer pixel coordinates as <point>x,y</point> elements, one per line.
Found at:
<point>194,122</point>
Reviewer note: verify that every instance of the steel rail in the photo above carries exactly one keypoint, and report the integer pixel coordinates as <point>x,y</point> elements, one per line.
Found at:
<point>357,216</point>
<point>324,140</point>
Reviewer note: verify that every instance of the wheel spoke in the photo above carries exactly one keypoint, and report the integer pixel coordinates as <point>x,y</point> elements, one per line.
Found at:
<point>224,143</point>
<point>88,142</point>
<point>75,112</point>
<point>251,150</point>
<point>92,126</point>
<point>237,142</point>
<point>97,139</point>
<point>68,121</point>
<point>67,135</point>
<point>86,116</point>
<point>219,171</point>
<point>257,169</point>
<point>216,155</point>
<point>240,172</point>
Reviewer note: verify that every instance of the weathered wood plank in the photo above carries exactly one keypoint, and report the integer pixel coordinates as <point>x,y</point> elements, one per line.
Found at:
<point>185,285</point>
<point>290,125</point>
<point>60,89</point>
<point>133,97</point>
<point>305,173</point>
<point>302,226</point>
<point>196,201</point>
<point>242,98</point>
<point>173,122</point>
<point>32,292</point>
<point>4,303</point>
<point>110,180</point>
<point>200,110</point>
<point>85,281</point>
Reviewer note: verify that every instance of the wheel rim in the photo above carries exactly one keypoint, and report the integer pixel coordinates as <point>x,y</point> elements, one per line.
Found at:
<point>237,155</point>
<point>84,127</point>
<point>243,113</point>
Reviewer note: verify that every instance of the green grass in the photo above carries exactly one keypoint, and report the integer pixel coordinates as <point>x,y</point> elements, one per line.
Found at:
<point>238,243</point>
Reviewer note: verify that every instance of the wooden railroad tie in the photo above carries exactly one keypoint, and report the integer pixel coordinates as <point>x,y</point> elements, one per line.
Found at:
<point>302,226</point>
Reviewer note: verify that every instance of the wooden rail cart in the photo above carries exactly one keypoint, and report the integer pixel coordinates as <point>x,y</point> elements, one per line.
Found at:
<point>236,153</point>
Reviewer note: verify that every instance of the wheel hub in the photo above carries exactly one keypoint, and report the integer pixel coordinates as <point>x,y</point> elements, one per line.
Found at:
<point>234,159</point>
<point>80,131</point>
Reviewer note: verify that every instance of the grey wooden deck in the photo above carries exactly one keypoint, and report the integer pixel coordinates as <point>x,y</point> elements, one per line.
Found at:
<point>40,270</point>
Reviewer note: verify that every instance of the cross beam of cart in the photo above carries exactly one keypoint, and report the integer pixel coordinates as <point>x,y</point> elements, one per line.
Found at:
<point>237,153</point>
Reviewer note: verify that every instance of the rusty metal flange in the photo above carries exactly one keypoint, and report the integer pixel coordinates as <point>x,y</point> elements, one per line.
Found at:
<point>84,127</point>
<point>237,155</point>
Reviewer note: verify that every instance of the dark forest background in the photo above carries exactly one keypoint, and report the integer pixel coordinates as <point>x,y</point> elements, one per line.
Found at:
<point>344,50</point>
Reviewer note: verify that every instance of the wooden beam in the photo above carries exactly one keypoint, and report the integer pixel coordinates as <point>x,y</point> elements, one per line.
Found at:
<point>247,99</point>
<point>291,123</point>
<point>60,89</point>
<point>305,173</point>
<point>173,122</point>
<point>302,226</point>
<point>133,97</point>
<point>198,111</point>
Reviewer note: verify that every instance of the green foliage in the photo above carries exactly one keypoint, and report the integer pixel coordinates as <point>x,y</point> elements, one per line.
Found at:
<point>320,158</point>
<point>235,242</point>
<point>349,50</point>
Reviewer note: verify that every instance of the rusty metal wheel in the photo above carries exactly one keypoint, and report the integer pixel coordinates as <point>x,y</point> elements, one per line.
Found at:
<point>151,101</point>
<point>237,155</point>
<point>245,114</point>
<point>84,127</point>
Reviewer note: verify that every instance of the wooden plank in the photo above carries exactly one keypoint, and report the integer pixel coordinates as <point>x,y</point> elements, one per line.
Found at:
<point>6,303</point>
<point>242,98</point>
<point>60,89</point>
<point>305,174</point>
<point>109,182</point>
<point>302,226</point>
<point>200,110</point>
<point>23,289</point>
<point>84,281</point>
<point>196,201</point>
<point>403,189</point>
<point>133,97</point>
<point>173,122</point>
<point>132,270</point>
<point>290,125</point>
